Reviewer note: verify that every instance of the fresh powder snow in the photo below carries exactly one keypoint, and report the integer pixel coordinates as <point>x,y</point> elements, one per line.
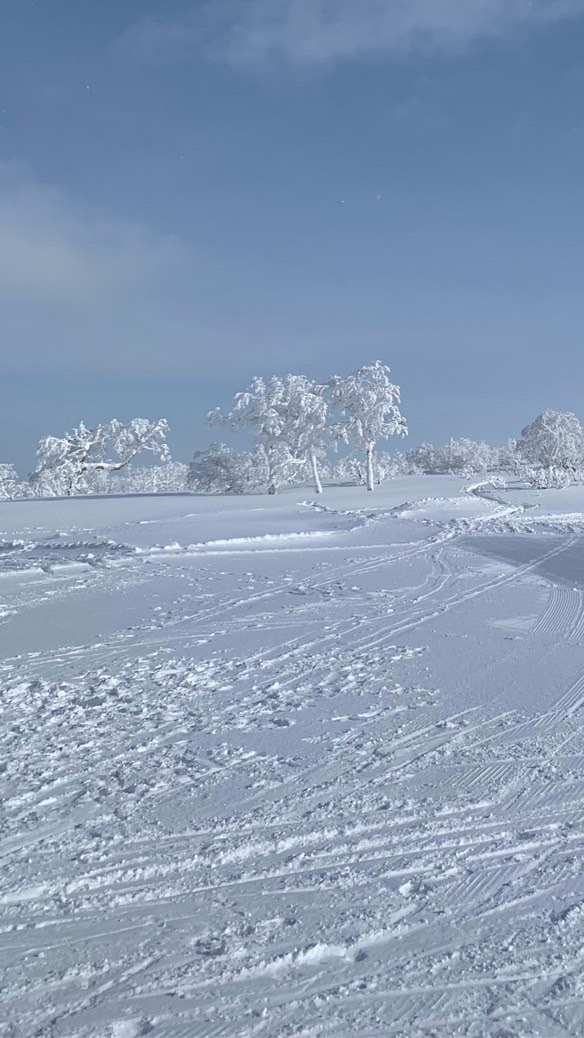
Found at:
<point>293,765</point>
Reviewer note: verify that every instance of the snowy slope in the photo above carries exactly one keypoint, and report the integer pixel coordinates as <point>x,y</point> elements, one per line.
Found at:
<point>279,766</point>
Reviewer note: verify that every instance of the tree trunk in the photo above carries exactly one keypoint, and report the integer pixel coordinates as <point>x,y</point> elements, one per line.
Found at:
<point>75,482</point>
<point>315,475</point>
<point>273,474</point>
<point>370,467</point>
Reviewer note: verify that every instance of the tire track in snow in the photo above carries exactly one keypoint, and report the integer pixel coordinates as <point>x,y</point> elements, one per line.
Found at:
<point>563,615</point>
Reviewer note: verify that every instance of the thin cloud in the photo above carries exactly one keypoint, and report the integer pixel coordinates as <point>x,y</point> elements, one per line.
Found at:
<point>52,251</point>
<point>82,291</point>
<point>316,32</point>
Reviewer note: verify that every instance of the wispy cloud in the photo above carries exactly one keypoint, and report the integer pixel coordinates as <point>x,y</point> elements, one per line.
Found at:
<point>247,32</point>
<point>54,251</point>
<point>83,291</point>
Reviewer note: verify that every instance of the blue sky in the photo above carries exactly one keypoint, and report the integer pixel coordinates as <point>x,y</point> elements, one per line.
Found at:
<point>191,194</point>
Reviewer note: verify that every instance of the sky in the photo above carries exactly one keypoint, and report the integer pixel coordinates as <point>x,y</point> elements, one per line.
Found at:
<point>195,193</point>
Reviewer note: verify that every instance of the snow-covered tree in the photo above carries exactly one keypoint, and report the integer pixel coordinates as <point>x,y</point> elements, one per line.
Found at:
<point>550,478</point>
<point>288,418</point>
<point>367,410</point>
<point>423,459</point>
<point>353,470</point>
<point>509,459</point>
<point>221,470</point>
<point>170,478</point>
<point>66,464</point>
<point>303,409</point>
<point>461,456</point>
<point>470,457</point>
<point>10,484</point>
<point>388,465</point>
<point>554,440</point>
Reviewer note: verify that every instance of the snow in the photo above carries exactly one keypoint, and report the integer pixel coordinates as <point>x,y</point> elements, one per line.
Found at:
<point>293,765</point>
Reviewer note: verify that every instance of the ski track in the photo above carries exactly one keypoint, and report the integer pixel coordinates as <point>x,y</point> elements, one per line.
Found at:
<point>301,835</point>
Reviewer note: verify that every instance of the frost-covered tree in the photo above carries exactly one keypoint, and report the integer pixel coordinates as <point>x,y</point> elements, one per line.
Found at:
<point>288,419</point>
<point>550,478</point>
<point>353,470</point>
<point>367,410</point>
<point>470,457</point>
<point>169,478</point>
<point>388,465</point>
<point>221,470</point>
<point>508,457</point>
<point>461,456</point>
<point>67,464</point>
<point>303,409</point>
<point>10,485</point>
<point>423,458</point>
<point>554,440</point>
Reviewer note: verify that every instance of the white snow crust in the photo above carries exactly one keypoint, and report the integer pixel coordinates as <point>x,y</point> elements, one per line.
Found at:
<point>285,767</point>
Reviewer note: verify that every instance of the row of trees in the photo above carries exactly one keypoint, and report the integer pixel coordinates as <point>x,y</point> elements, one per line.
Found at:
<point>549,453</point>
<point>292,421</point>
<point>296,428</point>
<point>221,469</point>
<point>85,460</point>
<point>295,421</point>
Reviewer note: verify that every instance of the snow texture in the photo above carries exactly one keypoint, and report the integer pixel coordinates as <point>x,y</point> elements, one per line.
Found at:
<point>271,767</point>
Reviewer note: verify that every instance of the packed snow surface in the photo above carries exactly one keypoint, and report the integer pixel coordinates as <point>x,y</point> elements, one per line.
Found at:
<point>287,766</point>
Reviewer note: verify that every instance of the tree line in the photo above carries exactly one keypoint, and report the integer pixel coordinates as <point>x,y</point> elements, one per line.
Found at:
<point>299,430</point>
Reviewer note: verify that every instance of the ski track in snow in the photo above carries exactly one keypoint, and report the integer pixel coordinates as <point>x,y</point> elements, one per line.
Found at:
<point>322,777</point>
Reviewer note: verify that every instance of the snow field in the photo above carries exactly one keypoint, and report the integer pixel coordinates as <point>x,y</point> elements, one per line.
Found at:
<point>271,767</point>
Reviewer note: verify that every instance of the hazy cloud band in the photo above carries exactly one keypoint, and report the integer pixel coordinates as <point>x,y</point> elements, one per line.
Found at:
<point>313,32</point>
